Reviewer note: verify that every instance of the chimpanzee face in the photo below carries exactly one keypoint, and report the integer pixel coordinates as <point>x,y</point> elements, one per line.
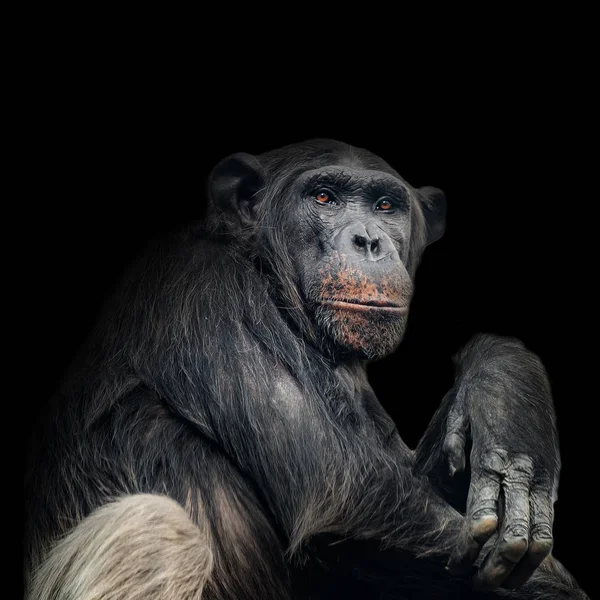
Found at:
<point>353,231</point>
<point>350,240</point>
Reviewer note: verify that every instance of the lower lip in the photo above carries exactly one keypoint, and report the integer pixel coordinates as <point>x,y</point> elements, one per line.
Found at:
<point>392,310</point>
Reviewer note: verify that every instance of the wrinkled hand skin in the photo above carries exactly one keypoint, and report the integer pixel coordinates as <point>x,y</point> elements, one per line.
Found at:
<point>503,403</point>
<point>501,409</point>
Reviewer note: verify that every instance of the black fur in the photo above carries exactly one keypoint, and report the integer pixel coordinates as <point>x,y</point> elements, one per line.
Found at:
<point>208,380</point>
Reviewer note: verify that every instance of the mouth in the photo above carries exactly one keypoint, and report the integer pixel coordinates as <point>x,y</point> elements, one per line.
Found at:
<point>380,306</point>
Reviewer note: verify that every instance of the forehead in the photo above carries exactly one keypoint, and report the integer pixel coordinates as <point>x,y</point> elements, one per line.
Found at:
<point>352,175</point>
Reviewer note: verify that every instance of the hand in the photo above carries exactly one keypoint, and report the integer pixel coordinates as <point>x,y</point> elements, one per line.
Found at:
<point>503,407</point>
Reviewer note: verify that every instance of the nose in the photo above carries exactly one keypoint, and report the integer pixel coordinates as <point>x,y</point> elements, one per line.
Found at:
<point>367,241</point>
<point>366,244</point>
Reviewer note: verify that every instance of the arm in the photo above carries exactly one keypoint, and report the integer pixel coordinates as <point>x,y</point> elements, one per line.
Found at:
<point>498,420</point>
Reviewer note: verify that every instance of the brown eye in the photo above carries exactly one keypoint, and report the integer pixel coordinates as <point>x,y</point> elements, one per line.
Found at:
<point>383,204</point>
<point>322,197</point>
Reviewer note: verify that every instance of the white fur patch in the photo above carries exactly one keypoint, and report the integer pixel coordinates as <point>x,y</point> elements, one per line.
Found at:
<point>140,547</point>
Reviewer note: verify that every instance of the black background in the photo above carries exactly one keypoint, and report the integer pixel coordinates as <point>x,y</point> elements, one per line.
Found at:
<point>124,155</point>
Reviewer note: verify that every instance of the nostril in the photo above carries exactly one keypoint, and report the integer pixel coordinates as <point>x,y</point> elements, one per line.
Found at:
<point>360,241</point>
<point>375,246</point>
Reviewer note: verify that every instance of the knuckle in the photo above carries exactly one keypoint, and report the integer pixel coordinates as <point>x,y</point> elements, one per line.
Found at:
<point>513,547</point>
<point>495,461</point>
<point>541,547</point>
<point>516,482</point>
<point>520,471</point>
<point>522,463</point>
<point>541,531</point>
<point>483,524</point>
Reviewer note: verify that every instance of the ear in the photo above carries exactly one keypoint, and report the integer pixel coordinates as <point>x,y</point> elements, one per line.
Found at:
<point>433,204</point>
<point>234,184</point>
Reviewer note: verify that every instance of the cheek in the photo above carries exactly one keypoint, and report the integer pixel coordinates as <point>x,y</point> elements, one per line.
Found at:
<point>307,245</point>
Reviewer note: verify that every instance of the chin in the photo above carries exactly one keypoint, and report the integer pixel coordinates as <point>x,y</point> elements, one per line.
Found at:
<point>362,332</point>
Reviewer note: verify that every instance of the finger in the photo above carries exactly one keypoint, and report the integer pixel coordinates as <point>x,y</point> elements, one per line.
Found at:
<point>513,538</point>
<point>454,442</point>
<point>481,521</point>
<point>541,515</point>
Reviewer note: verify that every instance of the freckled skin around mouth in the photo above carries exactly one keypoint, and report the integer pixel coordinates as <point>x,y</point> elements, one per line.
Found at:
<point>365,313</point>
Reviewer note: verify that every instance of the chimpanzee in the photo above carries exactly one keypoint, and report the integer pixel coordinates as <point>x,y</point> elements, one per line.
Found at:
<point>218,437</point>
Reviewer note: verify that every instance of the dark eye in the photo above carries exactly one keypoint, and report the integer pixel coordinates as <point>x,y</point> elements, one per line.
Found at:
<point>324,197</point>
<point>384,204</point>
